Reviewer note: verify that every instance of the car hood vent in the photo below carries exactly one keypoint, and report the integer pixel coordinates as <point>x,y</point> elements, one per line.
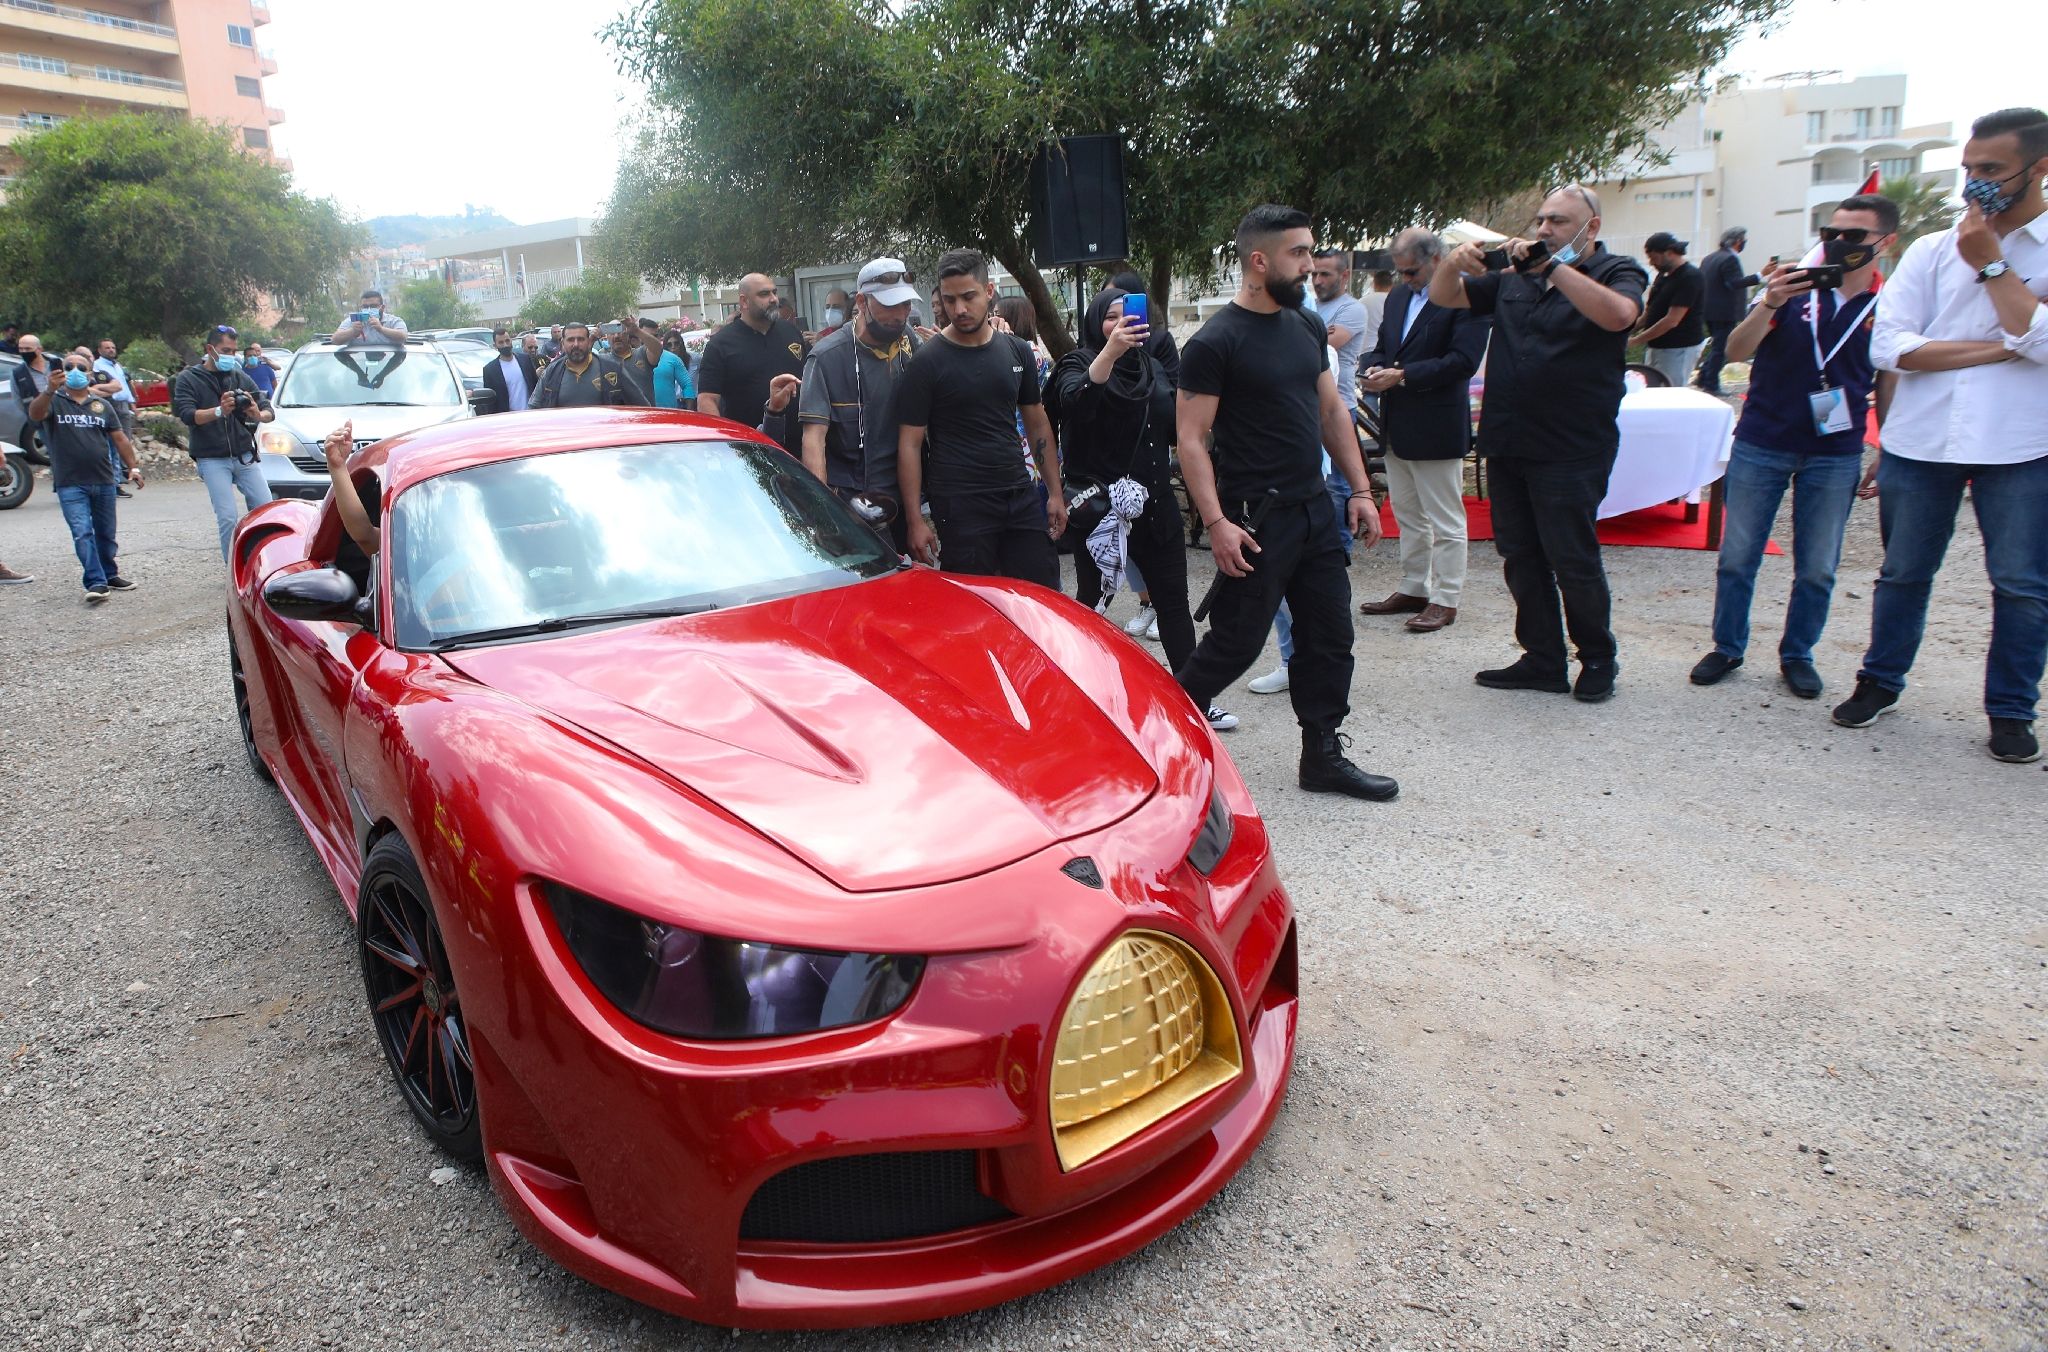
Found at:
<point>891,734</point>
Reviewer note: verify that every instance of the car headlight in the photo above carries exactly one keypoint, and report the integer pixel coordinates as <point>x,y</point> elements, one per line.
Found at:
<point>693,985</point>
<point>1213,841</point>
<point>273,442</point>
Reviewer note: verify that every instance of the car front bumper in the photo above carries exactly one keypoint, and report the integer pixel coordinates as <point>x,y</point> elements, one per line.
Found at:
<point>632,1159</point>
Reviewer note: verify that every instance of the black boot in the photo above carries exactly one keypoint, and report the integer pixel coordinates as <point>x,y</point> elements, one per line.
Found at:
<point>1324,769</point>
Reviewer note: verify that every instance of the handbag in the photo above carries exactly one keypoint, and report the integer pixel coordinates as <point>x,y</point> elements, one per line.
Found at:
<point>1088,498</point>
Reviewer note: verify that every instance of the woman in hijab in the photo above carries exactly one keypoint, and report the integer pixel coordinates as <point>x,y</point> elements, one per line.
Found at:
<point>1115,406</point>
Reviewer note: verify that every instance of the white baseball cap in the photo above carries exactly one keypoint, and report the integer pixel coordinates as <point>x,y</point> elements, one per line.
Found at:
<point>888,281</point>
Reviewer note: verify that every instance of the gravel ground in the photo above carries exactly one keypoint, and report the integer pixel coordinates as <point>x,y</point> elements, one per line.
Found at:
<point>1685,1021</point>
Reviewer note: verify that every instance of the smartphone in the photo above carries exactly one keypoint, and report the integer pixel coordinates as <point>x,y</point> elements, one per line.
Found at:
<point>1137,309</point>
<point>361,315</point>
<point>1825,276</point>
<point>1496,260</point>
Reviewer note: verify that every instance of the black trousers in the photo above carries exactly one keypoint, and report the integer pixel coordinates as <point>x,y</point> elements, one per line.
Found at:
<point>996,534</point>
<point>1545,526</point>
<point>1155,546</point>
<point>1299,562</point>
<point>1716,355</point>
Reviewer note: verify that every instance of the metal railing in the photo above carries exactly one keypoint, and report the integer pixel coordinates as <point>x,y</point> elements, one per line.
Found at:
<point>50,65</point>
<point>95,16</point>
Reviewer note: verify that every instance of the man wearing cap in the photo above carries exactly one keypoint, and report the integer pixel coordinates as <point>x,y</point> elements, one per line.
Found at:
<point>1724,303</point>
<point>847,407</point>
<point>1674,329</point>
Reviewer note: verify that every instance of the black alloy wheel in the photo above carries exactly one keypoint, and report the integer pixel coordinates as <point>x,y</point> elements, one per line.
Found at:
<point>17,480</point>
<point>248,726</point>
<point>413,1001</point>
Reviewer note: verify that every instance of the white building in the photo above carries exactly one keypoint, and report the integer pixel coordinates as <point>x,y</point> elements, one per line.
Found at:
<point>497,270</point>
<point>1775,158</point>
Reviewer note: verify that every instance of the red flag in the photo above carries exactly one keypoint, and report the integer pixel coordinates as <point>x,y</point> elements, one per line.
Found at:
<point>1870,184</point>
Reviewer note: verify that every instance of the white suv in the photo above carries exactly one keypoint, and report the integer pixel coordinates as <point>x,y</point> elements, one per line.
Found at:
<point>383,390</point>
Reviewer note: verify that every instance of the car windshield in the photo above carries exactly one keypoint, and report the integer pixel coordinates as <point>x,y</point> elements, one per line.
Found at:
<point>551,542</point>
<point>471,361</point>
<point>354,376</point>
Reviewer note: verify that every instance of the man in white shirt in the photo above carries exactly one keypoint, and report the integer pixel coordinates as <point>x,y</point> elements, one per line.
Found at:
<point>1964,324</point>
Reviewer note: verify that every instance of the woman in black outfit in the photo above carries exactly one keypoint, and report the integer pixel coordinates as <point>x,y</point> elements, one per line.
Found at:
<point>1115,407</point>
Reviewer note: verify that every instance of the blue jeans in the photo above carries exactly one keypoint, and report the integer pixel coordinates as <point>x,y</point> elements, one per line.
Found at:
<point>1283,628</point>
<point>1917,505</point>
<point>1823,490</point>
<point>89,512</point>
<point>223,475</point>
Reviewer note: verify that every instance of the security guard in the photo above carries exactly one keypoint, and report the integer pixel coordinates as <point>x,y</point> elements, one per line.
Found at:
<point>848,409</point>
<point>1258,376</point>
<point>582,379</point>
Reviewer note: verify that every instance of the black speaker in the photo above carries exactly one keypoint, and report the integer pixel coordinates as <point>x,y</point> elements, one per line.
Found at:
<point>1077,202</point>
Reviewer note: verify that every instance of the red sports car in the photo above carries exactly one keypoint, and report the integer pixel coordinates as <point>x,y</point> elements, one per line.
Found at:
<point>801,938</point>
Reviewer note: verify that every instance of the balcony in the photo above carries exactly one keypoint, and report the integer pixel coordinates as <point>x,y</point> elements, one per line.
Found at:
<point>14,128</point>
<point>96,84</point>
<point>259,12</point>
<point>265,62</point>
<point>272,114</point>
<point>90,26</point>
<point>1926,136</point>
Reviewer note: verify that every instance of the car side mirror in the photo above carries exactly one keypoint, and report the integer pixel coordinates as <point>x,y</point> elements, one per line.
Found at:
<point>315,594</point>
<point>480,401</point>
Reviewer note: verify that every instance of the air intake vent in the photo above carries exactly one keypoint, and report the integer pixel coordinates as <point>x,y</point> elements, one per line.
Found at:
<point>871,1199</point>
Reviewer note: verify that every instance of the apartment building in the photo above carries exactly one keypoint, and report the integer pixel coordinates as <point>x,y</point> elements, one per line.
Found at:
<point>198,58</point>
<point>1775,157</point>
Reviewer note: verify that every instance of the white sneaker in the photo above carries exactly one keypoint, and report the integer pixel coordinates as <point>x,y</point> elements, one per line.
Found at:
<point>1141,622</point>
<point>1221,721</point>
<point>1152,629</point>
<point>1273,682</point>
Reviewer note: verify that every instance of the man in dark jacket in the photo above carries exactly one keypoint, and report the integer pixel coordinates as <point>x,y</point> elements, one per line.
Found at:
<point>1725,302</point>
<point>512,378</point>
<point>583,379</point>
<point>222,406</point>
<point>1422,371</point>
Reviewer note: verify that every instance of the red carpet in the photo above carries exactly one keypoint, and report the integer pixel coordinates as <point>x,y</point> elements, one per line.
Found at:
<point>1660,527</point>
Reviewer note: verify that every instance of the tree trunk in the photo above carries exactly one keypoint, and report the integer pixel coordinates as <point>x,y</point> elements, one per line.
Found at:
<point>1162,291</point>
<point>176,335</point>
<point>1015,256</point>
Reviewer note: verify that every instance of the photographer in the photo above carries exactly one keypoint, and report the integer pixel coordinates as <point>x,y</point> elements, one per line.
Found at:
<point>1562,316</point>
<point>222,406</point>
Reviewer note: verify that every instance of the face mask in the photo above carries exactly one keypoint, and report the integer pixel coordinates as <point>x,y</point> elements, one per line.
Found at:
<point>834,316</point>
<point>75,378</point>
<point>1849,256</point>
<point>228,361</point>
<point>1569,254</point>
<point>883,334</point>
<point>1986,196</point>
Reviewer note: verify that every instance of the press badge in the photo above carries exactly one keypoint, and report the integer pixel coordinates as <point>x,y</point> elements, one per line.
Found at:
<point>1830,411</point>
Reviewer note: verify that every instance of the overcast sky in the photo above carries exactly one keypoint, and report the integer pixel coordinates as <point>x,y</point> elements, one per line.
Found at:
<point>402,106</point>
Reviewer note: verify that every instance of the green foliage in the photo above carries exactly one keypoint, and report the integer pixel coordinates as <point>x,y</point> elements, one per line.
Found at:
<point>1923,210</point>
<point>144,224</point>
<point>430,303</point>
<point>598,297</point>
<point>878,126</point>
<point>149,354</point>
<point>163,427</point>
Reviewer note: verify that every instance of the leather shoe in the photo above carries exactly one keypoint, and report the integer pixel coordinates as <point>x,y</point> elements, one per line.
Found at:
<point>1524,675</point>
<point>1400,603</point>
<point>1433,618</point>
<point>1801,679</point>
<point>1713,667</point>
<point>1596,682</point>
<point>1324,769</point>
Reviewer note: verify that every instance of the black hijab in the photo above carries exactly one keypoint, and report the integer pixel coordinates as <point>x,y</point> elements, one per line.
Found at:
<point>1131,377</point>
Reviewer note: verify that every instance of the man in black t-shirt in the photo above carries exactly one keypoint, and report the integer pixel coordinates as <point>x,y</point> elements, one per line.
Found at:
<point>1553,389</point>
<point>965,390</point>
<point>583,379</point>
<point>1258,377</point>
<point>78,426</point>
<point>745,355</point>
<point>1674,315</point>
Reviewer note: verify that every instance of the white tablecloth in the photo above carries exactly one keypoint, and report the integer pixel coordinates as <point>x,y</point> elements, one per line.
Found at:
<point>1673,443</point>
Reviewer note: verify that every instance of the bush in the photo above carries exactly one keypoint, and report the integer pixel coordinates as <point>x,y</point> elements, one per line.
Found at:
<point>163,427</point>
<point>150,354</point>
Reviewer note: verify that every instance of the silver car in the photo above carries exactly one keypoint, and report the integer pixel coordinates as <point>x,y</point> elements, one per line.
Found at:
<point>383,390</point>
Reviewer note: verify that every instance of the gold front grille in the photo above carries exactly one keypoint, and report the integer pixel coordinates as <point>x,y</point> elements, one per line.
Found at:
<point>1148,1031</point>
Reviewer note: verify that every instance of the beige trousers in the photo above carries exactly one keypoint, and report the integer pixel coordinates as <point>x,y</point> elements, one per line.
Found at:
<point>1429,507</point>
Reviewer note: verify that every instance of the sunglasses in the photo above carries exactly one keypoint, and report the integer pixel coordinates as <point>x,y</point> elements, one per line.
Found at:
<point>1850,235</point>
<point>1415,271</point>
<point>890,279</point>
<point>223,328</point>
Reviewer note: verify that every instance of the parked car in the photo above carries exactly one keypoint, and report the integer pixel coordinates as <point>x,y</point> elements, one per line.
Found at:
<point>466,335</point>
<point>17,476</point>
<point>15,428</point>
<point>799,937</point>
<point>384,390</point>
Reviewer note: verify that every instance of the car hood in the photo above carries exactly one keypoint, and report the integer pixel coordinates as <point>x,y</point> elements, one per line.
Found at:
<point>371,424</point>
<point>890,734</point>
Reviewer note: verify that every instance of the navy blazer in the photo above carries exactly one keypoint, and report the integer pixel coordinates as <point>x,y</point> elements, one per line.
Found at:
<point>1429,415</point>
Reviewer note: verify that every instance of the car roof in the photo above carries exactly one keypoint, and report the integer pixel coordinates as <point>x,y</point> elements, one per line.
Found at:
<point>410,457</point>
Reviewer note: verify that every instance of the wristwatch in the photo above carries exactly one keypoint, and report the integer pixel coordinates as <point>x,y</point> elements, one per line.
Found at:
<point>1997,267</point>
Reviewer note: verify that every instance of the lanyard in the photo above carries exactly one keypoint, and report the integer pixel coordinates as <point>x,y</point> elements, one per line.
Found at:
<point>1813,323</point>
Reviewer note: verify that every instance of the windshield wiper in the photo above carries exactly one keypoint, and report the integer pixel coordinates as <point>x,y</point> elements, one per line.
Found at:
<point>556,624</point>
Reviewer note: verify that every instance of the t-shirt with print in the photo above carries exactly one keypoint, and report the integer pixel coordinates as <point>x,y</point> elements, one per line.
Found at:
<point>1264,370</point>
<point>966,399</point>
<point>80,440</point>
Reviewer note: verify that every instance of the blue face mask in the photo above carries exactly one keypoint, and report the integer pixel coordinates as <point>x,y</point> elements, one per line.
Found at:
<point>75,378</point>
<point>228,361</point>
<point>1987,195</point>
<point>1569,254</point>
